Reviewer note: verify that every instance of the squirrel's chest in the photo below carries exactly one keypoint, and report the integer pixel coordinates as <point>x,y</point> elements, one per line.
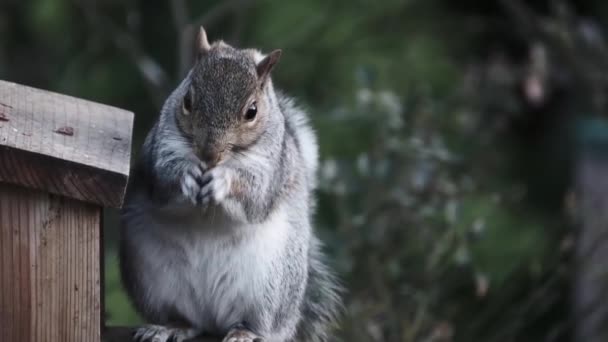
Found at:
<point>227,276</point>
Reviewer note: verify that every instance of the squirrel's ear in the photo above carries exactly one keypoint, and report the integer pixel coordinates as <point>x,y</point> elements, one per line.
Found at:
<point>265,65</point>
<point>202,44</point>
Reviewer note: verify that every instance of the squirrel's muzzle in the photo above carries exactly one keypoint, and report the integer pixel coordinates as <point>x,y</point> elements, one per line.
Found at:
<point>211,155</point>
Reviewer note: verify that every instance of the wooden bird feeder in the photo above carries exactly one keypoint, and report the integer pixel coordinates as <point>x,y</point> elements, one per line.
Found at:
<point>62,160</point>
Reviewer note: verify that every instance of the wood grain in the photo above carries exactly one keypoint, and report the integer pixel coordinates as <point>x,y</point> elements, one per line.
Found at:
<point>49,267</point>
<point>64,145</point>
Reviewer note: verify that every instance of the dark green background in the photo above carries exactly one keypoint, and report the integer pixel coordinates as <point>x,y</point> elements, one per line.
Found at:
<point>443,188</point>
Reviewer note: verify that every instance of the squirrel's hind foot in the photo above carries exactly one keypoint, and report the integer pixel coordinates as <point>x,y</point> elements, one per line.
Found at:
<point>242,335</point>
<point>159,333</point>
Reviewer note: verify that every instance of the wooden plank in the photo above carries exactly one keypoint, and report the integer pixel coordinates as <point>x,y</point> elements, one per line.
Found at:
<point>49,267</point>
<point>64,145</point>
<point>124,334</point>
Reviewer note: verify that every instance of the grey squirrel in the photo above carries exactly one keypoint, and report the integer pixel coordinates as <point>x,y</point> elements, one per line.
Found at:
<point>216,234</point>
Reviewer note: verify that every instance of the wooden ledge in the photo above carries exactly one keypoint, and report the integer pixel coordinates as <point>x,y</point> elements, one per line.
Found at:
<point>64,145</point>
<point>124,334</point>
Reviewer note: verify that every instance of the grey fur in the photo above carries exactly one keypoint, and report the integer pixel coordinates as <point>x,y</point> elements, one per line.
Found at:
<point>198,255</point>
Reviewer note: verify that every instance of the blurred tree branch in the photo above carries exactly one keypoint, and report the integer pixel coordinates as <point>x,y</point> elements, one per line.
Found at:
<point>187,29</point>
<point>155,77</point>
<point>153,74</point>
<point>589,283</point>
<point>185,37</point>
<point>212,16</point>
<point>579,45</point>
<point>572,42</point>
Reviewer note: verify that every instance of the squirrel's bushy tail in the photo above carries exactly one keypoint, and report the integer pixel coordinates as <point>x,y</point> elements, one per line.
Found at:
<point>322,305</point>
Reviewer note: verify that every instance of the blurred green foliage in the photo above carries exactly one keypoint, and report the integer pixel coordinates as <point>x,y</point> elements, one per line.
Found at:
<point>428,200</point>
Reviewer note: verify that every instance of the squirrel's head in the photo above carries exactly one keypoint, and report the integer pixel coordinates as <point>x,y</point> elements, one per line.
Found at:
<point>229,103</point>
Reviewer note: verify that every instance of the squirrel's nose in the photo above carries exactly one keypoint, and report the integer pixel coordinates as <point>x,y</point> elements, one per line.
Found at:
<point>211,157</point>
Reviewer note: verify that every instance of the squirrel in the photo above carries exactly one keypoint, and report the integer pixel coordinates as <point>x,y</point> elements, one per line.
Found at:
<point>216,235</point>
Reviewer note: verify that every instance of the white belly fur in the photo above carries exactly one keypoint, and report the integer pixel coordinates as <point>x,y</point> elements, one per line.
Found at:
<point>222,275</point>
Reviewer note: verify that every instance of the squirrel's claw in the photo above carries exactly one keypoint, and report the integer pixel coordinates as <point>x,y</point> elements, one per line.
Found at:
<point>205,195</point>
<point>217,186</point>
<point>193,180</point>
<point>202,187</point>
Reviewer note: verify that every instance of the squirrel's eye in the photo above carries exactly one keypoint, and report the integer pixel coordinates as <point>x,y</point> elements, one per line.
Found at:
<point>252,111</point>
<point>187,104</point>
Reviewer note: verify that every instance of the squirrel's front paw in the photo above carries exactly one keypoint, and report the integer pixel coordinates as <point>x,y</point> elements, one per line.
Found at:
<point>193,180</point>
<point>217,186</point>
